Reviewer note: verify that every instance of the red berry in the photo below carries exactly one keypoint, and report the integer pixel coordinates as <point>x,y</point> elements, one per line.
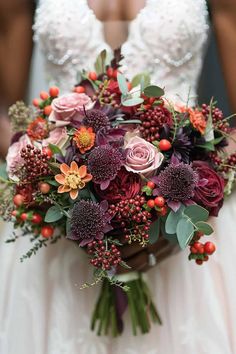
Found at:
<point>199,261</point>
<point>44,187</point>
<point>193,250</point>
<point>92,75</point>
<point>44,95</point>
<point>150,203</point>
<point>14,212</point>
<point>47,110</point>
<point>115,72</point>
<point>35,102</point>
<point>24,216</point>
<point>47,231</point>
<point>47,151</point>
<point>197,245</point>
<point>209,247</point>
<point>129,86</point>
<point>151,184</point>
<point>163,211</point>
<point>79,89</point>
<point>164,145</point>
<point>159,202</point>
<point>54,91</point>
<point>110,72</point>
<point>18,199</point>
<point>36,219</point>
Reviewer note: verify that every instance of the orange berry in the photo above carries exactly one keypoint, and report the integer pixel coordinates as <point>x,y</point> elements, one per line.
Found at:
<point>47,110</point>
<point>44,95</point>
<point>24,216</point>
<point>129,86</point>
<point>48,151</point>
<point>115,72</point>
<point>44,187</point>
<point>164,145</point>
<point>54,91</point>
<point>150,203</point>
<point>79,89</point>
<point>18,199</point>
<point>163,211</point>
<point>47,231</point>
<point>209,247</point>
<point>92,75</point>
<point>35,102</point>
<point>159,202</point>
<point>151,184</point>
<point>36,219</point>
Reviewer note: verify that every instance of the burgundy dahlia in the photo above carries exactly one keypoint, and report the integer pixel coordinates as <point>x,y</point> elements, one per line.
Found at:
<point>104,162</point>
<point>176,184</point>
<point>89,221</point>
<point>125,185</point>
<point>96,119</point>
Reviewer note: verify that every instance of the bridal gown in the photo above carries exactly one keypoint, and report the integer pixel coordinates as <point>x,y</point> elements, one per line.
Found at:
<point>42,309</point>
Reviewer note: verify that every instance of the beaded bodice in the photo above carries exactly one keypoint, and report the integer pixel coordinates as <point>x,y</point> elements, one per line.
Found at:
<point>166,38</point>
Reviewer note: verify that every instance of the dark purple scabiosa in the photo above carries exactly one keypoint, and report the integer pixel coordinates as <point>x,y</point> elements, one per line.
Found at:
<point>96,119</point>
<point>176,183</point>
<point>104,162</point>
<point>89,221</point>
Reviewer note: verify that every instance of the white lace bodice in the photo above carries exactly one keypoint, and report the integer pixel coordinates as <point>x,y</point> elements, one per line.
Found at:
<point>166,38</point>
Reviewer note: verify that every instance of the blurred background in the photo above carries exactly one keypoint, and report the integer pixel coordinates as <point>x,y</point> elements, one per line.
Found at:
<point>17,51</point>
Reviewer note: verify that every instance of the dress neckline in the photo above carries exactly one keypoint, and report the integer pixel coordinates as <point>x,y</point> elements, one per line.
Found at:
<point>131,23</point>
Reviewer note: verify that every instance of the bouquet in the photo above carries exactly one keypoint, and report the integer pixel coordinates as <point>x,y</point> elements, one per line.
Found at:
<point>113,163</point>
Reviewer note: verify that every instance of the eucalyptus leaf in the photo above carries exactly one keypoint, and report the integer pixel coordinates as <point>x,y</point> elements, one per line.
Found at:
<point>122,84</point>
<point>130,121</point>
<point>153,91</point>
<point>185,232</point>
<point>142,79</point>
<point>204,227</point>
<point>53,214</point>
<point>196,213</point>
<point>132,102</point>
<point>100,62</point>
<point>172,220</point>
<point>154,231</point>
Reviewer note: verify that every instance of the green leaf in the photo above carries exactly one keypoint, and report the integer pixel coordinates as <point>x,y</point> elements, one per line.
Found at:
<point>130,121</point>
<point>196,213</point>
<point>3,171</point>
<point>153,91</point>
<point>55,149</point>
<point>53,183</point>
<point>185,232</point>
<point>132,101</point>
<point>172,220</point>
<point>100,62</point>
<point>204,227</point>
<point>207,146</point>
<point>154,231</point>
<point>142,79</point>
<point>122,84</point>
<point>53,214</point>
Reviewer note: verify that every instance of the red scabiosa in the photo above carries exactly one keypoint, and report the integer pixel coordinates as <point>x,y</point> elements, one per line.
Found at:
<point>89,221</point>
<point>176,183</point>
<point>104,162</point>
<point>96,119</point>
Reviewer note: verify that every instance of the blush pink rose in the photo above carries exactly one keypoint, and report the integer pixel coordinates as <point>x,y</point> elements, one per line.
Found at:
<point>69,107</point>
<point>57,136</point>
<point>142,157</point>
<point>13,159</point>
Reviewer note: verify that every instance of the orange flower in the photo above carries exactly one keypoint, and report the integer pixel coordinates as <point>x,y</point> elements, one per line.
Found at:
<point>198,120</point>
<point>72,178</point>
<point>84,138</point>
<point>38,129</point>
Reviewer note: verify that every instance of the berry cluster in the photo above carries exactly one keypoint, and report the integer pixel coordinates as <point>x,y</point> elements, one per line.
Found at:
<point>199,251</point>
<point>35,163</point>
<point>223,164</point>
<point>107,95</point>
<point>153,120</point>
<point>134,220</point>
<point>217,118</point>
<point>102,257</point>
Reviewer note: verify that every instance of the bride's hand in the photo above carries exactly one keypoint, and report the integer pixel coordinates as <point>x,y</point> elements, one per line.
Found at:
<point>137,257</point>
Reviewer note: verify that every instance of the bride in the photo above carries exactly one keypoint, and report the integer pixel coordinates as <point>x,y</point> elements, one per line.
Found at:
<point>43,310</point>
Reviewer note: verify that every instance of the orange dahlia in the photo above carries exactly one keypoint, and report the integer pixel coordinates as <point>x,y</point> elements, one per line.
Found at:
<point>84,138</point>
<point>72,178</point>
<point>198,120</point>
<point>38,129</point>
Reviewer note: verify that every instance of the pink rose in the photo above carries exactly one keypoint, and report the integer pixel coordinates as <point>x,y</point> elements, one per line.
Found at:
<point>57,136</point>
<point>13,158</point>
<point>69,107</point>
<point>142,157</point>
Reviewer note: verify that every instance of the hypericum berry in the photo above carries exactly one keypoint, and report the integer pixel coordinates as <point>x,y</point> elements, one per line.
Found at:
<point>79,89</point>
<point>47,110</point>
<point>129,86</point>
<point>14,213</point>
<point>47,231</point>
<point>159,201</point>
<point>36,219</point>
<point>209,248</point>
<point>193,250</point>
<point>18,199</point>
<point>163,211</point>
<point>44,187</point>
<point>46,150</point>
<point>115,72</point>
<point>92,75</point>
<point>151,184</point>
<point>199,261</point>
<point>110,72</point>
<point>35,102</point>
<point>151,203</point>
<point>164,145</point>
<point>199,247</point>
<point>44,95</point>
<point>24,216</point>
<point>54,91</point>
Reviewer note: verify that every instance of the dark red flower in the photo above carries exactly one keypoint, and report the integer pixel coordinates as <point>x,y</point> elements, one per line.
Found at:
<point>125,185</point>
<point>211,193</point>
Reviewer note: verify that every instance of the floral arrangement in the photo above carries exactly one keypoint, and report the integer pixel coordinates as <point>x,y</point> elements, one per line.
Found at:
<point>114,162</point>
